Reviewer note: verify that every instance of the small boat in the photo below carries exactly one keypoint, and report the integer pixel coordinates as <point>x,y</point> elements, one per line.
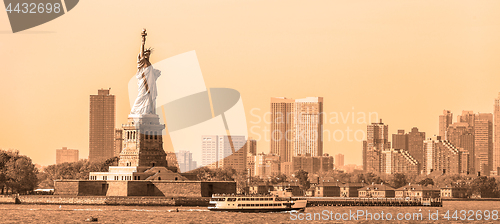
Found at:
<point>245,203</point>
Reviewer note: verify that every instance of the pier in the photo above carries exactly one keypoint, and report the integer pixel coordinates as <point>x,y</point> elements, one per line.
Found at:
<point>338,201</point>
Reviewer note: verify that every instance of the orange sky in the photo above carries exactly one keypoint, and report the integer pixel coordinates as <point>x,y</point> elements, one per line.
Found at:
<point>405,60</point>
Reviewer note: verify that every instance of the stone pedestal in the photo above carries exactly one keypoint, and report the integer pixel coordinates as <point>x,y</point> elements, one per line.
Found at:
<point>142,142</point>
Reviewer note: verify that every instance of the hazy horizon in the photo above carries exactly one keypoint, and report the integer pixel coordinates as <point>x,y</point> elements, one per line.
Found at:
<point>406,61</point>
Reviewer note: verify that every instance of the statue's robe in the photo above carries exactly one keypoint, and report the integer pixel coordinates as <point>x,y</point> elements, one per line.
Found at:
<point>146,75</point>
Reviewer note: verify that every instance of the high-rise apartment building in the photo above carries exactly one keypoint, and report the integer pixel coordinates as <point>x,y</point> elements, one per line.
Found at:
<point>296,128</point>
<point>66,155</point>
<point>416,145</point>
<point>444,121</point>
<point>251,146</point>
<point>483,142</point>
<point>376,142</point>
<point>264,165</point>
<point>442,156</point>
<point>102,126</point>
<point>461,135</point>
<point>399,161</point>
<point>220,151</point>
<point>339,160</point>
<point>313,164</point>
<point>400,140</point>
<point>185,161</point>
<point>496,145</point>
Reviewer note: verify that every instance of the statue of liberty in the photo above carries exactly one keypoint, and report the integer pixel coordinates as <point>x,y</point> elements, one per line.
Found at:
<point>146,75</point>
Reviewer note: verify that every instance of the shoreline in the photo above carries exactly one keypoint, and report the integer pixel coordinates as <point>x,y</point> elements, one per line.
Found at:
<point>105,200</point>
<point>135,200</point>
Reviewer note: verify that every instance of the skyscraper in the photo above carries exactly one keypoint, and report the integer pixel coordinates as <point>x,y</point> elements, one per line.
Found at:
<point>483,142</point>
<point>496,151</point>
<point>251,146</point>
<point>102,126</point>
<point>296,128</point>
<point>66,155</point>
<point>339,160</point>
<point>416,146</point>
<point>444,121</point>
<point>461,135</point>
<point>377,141</point>
<point>185,161</point>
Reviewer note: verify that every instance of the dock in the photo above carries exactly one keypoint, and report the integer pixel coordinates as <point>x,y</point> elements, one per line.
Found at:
<point>339,201</point>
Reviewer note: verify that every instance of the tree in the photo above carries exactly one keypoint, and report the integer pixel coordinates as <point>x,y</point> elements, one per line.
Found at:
<point>79,170</point>
<point>398,180</point>
<point>17,172</point>
<point>427,181</point>
<point>22,175</point>
<point>368,178</point>
<point>484,186</point>
<point>303,178</point>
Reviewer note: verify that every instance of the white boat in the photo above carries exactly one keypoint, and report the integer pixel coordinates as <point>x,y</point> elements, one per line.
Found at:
<point>244,203</point>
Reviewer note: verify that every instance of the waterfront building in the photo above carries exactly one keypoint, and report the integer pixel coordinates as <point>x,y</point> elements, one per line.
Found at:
<point>296,128</point>
<point>350,189</point>
<point>328,189</point>
<point>376,191</point>
<point>102,126</point>
<point>376,142</point>
<point>417,192</point>
<point>453,192</point>
<point>66,155</point>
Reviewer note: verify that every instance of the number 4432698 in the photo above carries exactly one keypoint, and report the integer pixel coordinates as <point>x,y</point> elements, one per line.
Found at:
<point>34,8</point>
<point>471,215</point>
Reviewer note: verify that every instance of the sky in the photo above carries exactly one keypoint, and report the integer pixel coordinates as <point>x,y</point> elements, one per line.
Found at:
<point>406,61</point>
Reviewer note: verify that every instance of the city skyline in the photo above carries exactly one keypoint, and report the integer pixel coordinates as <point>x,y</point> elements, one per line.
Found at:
<point>346,60</point>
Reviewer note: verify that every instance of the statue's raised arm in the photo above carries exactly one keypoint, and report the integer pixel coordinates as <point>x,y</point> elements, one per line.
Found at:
<point>143,34</point>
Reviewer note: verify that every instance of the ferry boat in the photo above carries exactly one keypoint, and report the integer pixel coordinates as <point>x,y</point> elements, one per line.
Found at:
<point>245,203</point>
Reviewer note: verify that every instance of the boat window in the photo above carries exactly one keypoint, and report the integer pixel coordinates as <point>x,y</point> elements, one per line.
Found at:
<point>231,199</point>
